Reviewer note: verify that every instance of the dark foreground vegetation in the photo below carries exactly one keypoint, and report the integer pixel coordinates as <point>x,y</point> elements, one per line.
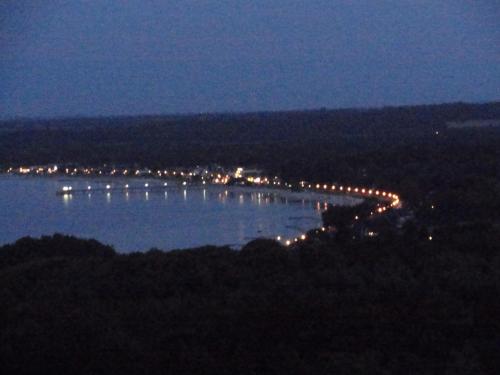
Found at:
<point>395,303</point>
<point>391,305</point>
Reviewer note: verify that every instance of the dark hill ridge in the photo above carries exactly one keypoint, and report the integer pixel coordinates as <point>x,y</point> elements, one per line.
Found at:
<point>400,305</point>
<point>291,126</point>
<point>266,139</point>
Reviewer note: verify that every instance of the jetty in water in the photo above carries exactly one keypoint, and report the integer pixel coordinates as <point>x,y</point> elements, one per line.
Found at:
<point>69,190</point>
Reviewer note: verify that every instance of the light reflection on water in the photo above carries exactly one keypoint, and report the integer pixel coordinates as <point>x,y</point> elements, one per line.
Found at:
<point>136,220</point>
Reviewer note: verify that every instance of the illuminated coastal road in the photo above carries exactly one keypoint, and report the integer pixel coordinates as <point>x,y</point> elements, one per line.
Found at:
<point>387,200</point>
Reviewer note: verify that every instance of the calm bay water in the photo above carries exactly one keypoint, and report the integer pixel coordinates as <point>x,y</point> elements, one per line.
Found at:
<point>166,218</point>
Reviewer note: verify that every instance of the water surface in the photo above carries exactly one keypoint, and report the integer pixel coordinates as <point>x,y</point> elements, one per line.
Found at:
<point>166,218</point>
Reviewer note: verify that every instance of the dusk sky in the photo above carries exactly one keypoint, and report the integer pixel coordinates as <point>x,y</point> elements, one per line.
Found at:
<point>71,58</point>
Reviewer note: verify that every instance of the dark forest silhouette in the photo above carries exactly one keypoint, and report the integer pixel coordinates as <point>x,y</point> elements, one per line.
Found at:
<point>336,303</point>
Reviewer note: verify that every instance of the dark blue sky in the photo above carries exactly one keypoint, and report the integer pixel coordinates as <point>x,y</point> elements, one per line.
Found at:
<point>67,58</point>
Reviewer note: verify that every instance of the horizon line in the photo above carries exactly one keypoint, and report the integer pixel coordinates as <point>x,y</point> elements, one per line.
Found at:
<point>239,113</point>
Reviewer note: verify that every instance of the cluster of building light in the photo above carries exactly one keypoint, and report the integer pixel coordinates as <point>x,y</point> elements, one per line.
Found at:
<point>221,176</point>
<point>34,170</point>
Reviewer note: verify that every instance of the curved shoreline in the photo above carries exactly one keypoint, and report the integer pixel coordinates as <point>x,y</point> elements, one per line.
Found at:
<point>349,195</point>
<point>353,195</point>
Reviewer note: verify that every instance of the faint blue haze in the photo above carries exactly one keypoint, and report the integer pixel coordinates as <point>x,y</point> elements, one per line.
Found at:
<point>68,58</point>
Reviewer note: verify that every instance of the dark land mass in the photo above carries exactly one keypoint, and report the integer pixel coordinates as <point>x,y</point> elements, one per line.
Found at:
<point>395,148</point>
<point>391,305</point>
<point>337,303</point>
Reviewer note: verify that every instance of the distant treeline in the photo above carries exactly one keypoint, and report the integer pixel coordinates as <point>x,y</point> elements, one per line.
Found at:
<point>184,140</point>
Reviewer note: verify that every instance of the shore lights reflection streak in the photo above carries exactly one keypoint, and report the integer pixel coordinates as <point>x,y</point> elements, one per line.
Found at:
<point>382,196</point>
